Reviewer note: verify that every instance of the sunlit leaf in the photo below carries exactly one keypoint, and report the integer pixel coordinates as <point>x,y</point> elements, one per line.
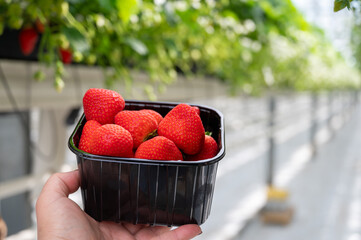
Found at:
<point>126,8</point>
<point>228,13</point>
<point>137,46</point>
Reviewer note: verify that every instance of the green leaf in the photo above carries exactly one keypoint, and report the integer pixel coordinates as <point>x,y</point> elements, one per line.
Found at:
<point>348,4</point>
<point>228,13</point>
<point>106,4</point>
<point>137,45</point>
<point>76,1</point>
<point>126,8</point>
<point>340,4</point>
<point>77,40</point>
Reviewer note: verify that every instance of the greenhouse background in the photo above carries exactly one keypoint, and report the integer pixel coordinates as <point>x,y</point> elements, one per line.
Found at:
<point>285,74</point>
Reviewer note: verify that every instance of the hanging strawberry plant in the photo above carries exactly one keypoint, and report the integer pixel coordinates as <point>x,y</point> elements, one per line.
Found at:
<point>251,45</point>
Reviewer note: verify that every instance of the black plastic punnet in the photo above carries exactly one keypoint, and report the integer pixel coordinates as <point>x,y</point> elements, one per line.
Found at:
<point>154,192</point>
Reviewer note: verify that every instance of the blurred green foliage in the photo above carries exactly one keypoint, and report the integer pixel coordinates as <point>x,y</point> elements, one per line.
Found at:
<point>355,6</point>
<point>250,44</point>
<point>341,4</point>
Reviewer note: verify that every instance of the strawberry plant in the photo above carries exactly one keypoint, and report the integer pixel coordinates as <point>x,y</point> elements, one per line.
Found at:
<point>251,45</point>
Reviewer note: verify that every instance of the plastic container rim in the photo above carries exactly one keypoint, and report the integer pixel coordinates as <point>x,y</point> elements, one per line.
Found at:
<point>89,156</point>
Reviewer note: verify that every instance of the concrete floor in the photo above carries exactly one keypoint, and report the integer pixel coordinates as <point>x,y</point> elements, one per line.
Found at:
<point>326,194</point>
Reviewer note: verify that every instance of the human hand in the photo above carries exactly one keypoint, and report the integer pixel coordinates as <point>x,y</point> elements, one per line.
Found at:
<point>3,229</point>
<point>58,217</point>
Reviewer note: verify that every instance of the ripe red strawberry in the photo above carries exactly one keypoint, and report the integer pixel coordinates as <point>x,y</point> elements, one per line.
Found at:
<point>27,39</point>
<point>112,140</point>
<point>197,110</point>
<point>184,127</point>
<point>140,124</point>
<point>66,55</point>
<point>155,114</point>
<point>102,105</point>
<point>87,134</point>
<point>209,150</point>
<point>158,148</point>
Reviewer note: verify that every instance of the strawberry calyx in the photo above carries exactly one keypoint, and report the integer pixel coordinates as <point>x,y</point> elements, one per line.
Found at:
<point>151,135</point>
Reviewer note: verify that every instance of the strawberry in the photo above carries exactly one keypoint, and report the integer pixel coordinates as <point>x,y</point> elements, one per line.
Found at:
<point>87,134</point>
<point>65,55</point>
<point>102,105</point>
<point>155,114</point>
<point>158,148</point>
<point>28,38</point>
<point>197,110</point>
<point>209,150</point>
<point>140,124</point>
<point>184,127</point>
<point>112,140</point>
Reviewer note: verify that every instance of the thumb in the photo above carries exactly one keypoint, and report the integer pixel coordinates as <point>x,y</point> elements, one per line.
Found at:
<point>60,185</point>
